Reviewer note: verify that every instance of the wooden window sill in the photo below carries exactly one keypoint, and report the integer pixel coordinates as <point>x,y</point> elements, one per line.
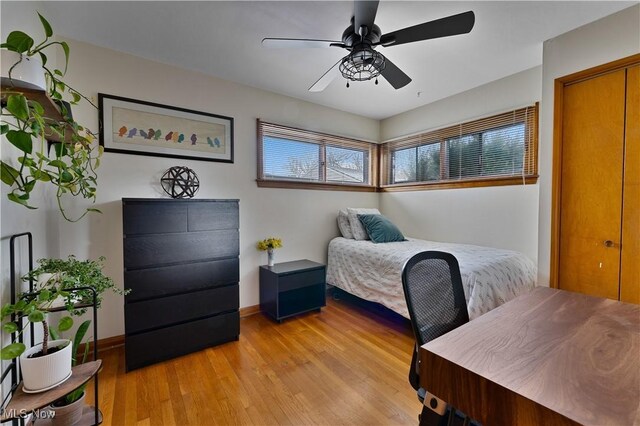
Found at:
<point>471,183</point>
<point>288,184</point>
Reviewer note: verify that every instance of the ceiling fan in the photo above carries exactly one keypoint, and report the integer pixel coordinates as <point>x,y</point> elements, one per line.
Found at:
<point>363,36</point>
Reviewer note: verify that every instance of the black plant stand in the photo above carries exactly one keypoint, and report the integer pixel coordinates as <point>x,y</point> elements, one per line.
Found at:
<point>16,414</point>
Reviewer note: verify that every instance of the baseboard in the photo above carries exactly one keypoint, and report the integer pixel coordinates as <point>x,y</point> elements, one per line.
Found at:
<point>117,341</point>
<point>249,310</point>
<point>105,344</point>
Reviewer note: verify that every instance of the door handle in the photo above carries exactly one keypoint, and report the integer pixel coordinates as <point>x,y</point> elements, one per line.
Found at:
<point>609,243</point>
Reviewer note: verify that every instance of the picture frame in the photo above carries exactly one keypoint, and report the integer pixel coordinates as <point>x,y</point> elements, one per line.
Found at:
<point>131,126</point>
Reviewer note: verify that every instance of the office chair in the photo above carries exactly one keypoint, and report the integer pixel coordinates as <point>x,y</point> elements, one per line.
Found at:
<point>435,299</point>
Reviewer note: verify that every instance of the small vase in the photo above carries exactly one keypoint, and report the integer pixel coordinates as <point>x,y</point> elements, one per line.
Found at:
<point>271,255</point>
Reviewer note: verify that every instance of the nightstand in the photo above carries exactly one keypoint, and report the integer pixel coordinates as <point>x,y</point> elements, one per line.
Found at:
<point>291,288</point>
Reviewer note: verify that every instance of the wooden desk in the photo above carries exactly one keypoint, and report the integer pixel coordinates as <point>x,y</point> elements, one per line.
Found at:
<point>547,357</point>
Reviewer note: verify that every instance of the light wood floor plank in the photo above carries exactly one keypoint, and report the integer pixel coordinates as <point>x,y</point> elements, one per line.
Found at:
<point>344,366</point>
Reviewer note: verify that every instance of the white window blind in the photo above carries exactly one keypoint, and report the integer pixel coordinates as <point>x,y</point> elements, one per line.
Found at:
<point>296,155</point>
<point>291,159</point>
<point>503,145</point>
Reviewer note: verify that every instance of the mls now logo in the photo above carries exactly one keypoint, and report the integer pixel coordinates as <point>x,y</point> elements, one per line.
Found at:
<point>23,414</point>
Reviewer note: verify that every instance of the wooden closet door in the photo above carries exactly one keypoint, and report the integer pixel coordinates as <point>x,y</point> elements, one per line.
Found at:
<point>630,266</point>
<point>591,188</point>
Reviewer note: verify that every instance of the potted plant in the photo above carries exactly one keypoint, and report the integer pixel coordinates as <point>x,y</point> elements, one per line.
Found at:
<point>269,244</point>
<point>49,363</point>
<point>27,124</point>
<point>71,273</point>
<point>64,275</point>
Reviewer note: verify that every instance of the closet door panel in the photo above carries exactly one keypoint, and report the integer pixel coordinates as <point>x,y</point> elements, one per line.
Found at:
<point>630,257</point>
<point>591,187</point>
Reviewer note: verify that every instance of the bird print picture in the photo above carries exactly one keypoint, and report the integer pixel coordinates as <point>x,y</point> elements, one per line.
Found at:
<point>135,127</point>
<point>143,128</point>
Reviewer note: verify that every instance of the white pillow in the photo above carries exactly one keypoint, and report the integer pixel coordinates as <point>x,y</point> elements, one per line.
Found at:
<point>359,233</point>
<point>343,224</point>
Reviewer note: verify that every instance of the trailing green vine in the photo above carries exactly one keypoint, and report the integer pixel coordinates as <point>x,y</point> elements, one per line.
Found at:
<point>70,166</point>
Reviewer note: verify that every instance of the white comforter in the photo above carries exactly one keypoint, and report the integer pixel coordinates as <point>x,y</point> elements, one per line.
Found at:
<point>490,276</point>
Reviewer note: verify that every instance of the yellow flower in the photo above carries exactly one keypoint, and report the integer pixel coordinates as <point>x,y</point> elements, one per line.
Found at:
<point>269,243</point>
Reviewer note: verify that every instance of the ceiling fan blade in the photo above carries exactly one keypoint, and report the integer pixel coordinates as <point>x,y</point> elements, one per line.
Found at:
<point>461,23</point>
<point>278,43</point>
<point>326,78</point>
<point>364,15</point>
<point>394,75</point>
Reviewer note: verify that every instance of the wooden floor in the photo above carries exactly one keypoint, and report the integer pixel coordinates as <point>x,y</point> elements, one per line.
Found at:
<point>346,365</point>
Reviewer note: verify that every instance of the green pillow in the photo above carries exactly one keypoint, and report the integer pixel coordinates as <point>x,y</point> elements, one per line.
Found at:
<point>380,229</point>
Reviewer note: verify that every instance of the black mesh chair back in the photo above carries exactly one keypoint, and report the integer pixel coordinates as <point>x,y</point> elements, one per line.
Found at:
<point>435,299</point>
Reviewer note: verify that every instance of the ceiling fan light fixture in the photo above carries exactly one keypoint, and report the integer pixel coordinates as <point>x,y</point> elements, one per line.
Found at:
<point>362,65</point>
<point>363,36</point>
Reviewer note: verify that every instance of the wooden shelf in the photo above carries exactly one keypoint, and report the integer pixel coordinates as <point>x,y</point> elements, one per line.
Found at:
<point>51,110</point>
<point>22,402</point>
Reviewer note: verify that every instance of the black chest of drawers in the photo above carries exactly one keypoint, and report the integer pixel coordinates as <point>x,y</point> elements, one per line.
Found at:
<point>181,264</point>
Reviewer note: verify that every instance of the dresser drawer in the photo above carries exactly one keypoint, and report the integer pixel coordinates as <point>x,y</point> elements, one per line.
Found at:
<point>164,249</point>
<point>167,280</point>
<point>153,217</point>
<point>210,216</point>
<point>155,313</point>
<point>301,279</point>
<point>301,300</point>
<point>166,343</point>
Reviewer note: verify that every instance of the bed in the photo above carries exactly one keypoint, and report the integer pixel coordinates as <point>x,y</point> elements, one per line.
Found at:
<point>490,276</point>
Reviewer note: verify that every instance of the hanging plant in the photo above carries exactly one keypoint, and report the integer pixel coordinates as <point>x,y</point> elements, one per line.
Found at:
<point>28,125</point>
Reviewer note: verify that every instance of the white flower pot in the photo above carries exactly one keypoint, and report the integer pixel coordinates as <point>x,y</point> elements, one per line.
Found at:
<point>45,372</point>
<point>27,74</point>
<point>48,279</point>
<point>43,281</point>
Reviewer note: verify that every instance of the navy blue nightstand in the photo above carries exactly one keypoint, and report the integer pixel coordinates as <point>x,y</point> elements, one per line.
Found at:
<point>291,288</point>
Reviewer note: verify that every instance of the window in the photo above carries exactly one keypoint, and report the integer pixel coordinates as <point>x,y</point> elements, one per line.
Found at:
<point>290,158</point>
<point>496,150</point>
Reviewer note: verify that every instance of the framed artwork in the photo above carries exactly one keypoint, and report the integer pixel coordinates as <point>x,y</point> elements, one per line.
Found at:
<point>130,126</point>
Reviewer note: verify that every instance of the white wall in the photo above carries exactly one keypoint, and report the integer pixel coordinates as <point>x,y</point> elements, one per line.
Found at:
<point>16,219</point>
<point>306,220</point>
<point>613,37</point>
<point>503,217</point>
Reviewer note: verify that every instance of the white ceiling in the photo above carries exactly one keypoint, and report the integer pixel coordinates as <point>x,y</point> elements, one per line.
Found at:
<point>223,39</point>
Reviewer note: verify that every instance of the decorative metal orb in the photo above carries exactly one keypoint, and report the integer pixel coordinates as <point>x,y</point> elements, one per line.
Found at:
<point>180,182</point>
